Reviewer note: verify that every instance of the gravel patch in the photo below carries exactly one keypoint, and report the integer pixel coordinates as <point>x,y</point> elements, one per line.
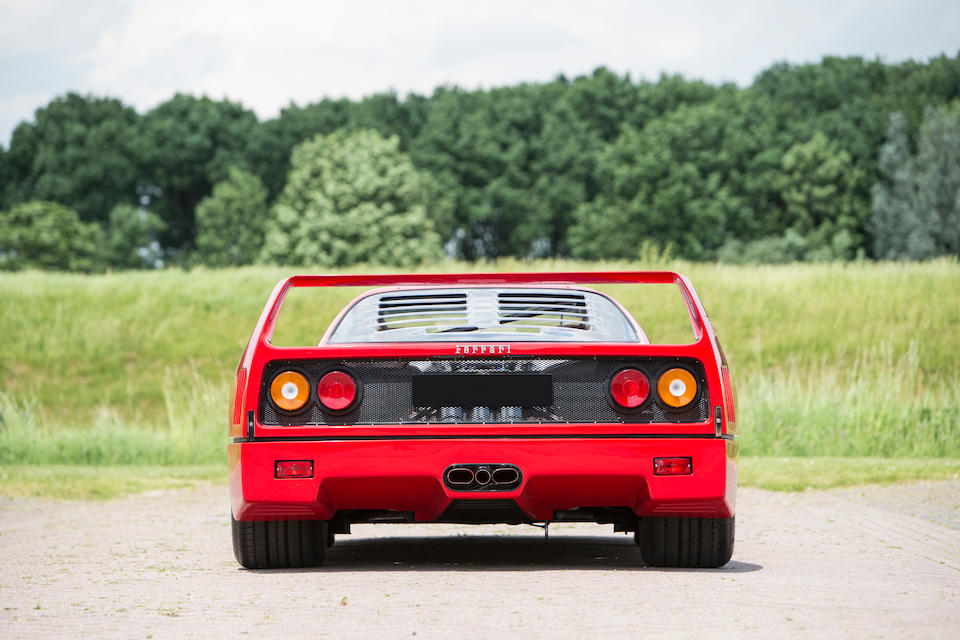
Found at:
<point>863,562</point>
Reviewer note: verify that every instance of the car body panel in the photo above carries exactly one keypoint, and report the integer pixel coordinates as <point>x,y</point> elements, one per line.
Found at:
<point>558,474</point>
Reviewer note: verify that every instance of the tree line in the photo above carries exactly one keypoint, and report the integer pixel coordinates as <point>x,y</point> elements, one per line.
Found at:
<point>839,159</point>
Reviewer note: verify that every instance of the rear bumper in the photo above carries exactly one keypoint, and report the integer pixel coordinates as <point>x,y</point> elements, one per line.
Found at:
<point>558,474</point>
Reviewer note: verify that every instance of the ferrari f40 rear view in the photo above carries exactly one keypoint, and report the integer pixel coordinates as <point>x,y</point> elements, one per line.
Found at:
<point>484,398</point>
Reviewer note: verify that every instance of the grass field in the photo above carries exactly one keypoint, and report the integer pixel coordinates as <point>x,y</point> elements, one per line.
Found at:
<point>856,360</point>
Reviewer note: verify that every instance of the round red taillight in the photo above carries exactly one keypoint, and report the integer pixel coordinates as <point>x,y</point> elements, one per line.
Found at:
<point>337,390</point>
<point>629,388</point>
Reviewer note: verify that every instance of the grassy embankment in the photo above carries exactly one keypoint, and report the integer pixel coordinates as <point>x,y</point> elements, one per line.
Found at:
<point>836,366</point>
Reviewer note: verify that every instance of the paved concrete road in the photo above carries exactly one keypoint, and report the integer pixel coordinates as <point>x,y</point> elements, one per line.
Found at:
<point>848,563</point>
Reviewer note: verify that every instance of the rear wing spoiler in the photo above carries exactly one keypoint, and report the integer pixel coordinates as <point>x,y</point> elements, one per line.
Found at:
<point>705,346</point>
<point>703,331</point>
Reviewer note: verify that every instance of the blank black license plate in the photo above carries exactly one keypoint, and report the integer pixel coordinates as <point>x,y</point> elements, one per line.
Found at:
<point>492,390</point>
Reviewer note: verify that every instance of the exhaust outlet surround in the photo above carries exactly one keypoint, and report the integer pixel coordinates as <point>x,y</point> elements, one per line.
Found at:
<point>482,477</point>
<point>505,475</point>
<point>459,476</point>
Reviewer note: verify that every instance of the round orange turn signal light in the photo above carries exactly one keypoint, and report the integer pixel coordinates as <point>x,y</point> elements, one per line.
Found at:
<point>290,390</point>
<point>677,388</point>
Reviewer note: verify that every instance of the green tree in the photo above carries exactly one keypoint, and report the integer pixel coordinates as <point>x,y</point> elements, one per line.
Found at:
<point>689,180</point>
<point>519,161</point>
<point>79,152</point>
<point>938,178</point>
<point>355,197</point>
<point>389,116</point>
<point>894,199</point>
<point>605,101</point>
<point>786,248</point>
<point>47,235</point>
<point>914,86</point>
<point>552,168</point>
<point>186,146</point>
<point>270,144</point>
<point>670,92</point>
<point>850,99</point>
<point>819,193</point>
<point>230,222</point>
<point>6,178</point>
<point>133,238</point>
<point>916,208</point>
<point>562,175</point>
<point>477,144</point>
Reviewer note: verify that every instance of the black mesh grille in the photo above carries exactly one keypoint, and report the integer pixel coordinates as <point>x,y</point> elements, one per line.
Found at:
<point>580,392</point>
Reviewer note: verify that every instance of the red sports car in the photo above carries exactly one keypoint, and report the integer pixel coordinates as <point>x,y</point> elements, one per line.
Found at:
<point>484,398</point>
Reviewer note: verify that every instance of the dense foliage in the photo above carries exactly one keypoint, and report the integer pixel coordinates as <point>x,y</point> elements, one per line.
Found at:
<point>47,235</point>
<point>354,197</point>
<point>834,160</point>
<point>230,222</point>
<point>916,211</point>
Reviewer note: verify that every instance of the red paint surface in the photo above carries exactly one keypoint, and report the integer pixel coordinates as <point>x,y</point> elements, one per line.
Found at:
<point>405,475</point>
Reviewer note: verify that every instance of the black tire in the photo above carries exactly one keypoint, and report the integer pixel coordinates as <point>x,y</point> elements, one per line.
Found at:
<point>277,544</point>
<point>331,537</point>
<point>685,542</point>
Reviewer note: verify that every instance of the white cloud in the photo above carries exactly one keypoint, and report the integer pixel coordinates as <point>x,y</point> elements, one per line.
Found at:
<point>269,54</point>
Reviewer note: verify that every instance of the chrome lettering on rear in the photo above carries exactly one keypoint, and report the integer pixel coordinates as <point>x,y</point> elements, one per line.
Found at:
<point>482,349</point>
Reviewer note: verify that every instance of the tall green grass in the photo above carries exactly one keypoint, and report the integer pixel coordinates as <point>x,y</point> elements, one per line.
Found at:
<point>882,405</point>
<point>853,359</point>
<point>192,430</point>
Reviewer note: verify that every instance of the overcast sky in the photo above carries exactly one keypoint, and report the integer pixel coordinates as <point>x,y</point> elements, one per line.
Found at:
<point>266,54</point>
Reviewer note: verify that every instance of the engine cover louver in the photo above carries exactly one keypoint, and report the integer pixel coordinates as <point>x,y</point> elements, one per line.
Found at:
<point>543,310</point>
<point>423,310</point>
<point>484,314</point>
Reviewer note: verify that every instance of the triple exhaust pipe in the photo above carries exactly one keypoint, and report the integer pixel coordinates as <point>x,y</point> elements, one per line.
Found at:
<point>482,477</point>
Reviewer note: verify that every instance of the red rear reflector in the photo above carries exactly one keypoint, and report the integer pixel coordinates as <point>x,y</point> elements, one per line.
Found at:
<point>294,468</point>
<point>672,466</point>
<point>238,397</point>
<point>337,390</point>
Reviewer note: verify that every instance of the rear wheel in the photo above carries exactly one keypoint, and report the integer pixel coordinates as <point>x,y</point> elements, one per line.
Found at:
<point>275,544</point>
<point>685,542</point>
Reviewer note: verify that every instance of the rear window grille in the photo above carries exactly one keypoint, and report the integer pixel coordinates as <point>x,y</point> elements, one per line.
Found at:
<point>428,310</point>
<point>484,314</point>
<point>543,310</point>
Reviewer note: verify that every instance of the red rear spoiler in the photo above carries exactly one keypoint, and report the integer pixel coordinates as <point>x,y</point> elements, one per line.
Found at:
<point>705,346</point>
<point>561,277</point>
<point>268,317</point>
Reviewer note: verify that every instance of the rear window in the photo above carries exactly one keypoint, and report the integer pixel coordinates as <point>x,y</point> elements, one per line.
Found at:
<point>485,313</point>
